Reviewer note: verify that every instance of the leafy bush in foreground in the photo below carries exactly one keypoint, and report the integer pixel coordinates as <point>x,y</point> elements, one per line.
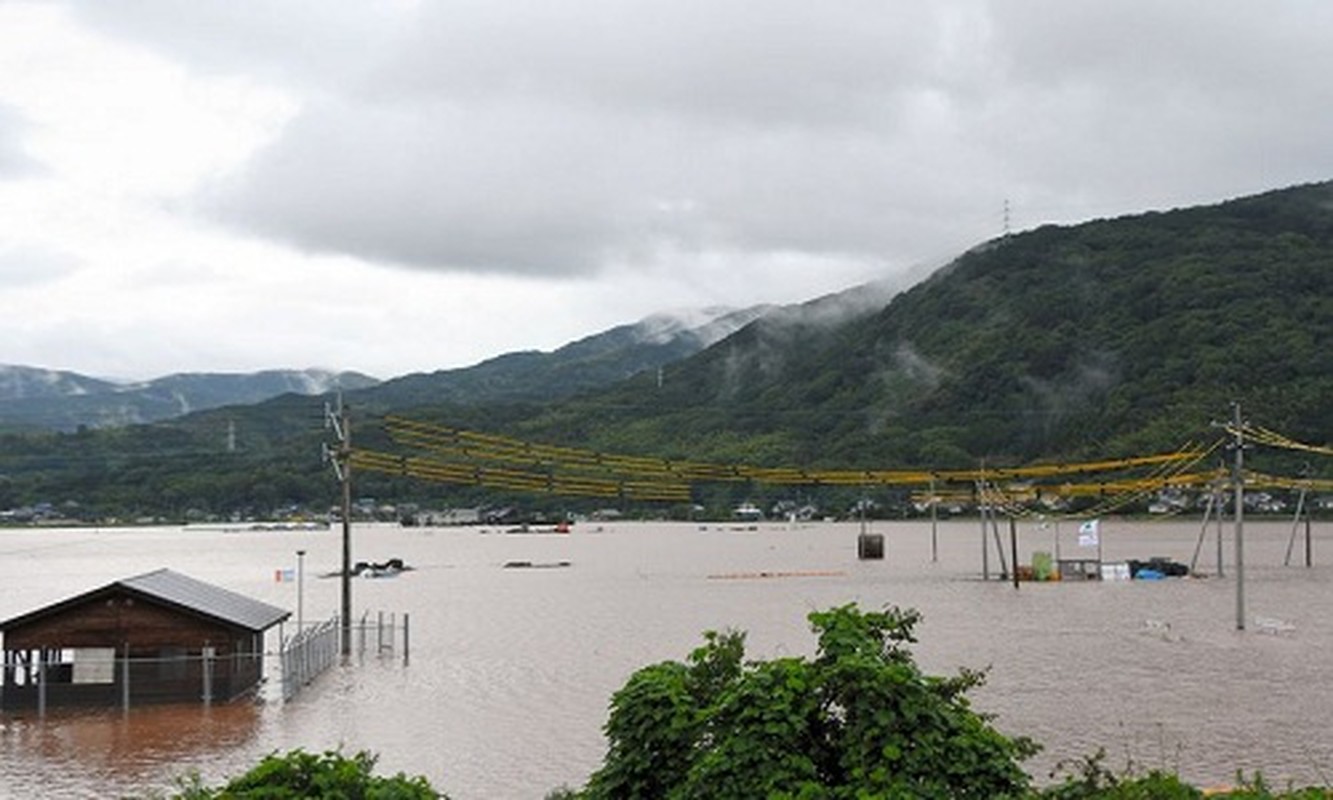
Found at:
<point>299,774</point>
<point>858,720</point>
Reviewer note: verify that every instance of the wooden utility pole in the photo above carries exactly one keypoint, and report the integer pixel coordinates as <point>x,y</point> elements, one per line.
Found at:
<point>1302,510</point>
<point>1238,479</point>
<point>341,424</point>
<point>985,548</point>
<point>1013,547</point>
<point>934,523</point>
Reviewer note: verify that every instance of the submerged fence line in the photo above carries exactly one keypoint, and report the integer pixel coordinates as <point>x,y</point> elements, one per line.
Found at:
<point>109,677</point>
<point>310,652</point>
<point>307,654</point>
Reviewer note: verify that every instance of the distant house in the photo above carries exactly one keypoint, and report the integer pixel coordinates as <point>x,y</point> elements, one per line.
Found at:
<point>747,512</point>
<point>153,638</point>
<point>450,516</point>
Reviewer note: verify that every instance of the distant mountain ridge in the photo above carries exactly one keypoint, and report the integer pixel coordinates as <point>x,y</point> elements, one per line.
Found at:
<point>593,362</point>
<point>1112,338</point>
<point>24,383</point>
<point>35,398</point>
<point>42,399</point>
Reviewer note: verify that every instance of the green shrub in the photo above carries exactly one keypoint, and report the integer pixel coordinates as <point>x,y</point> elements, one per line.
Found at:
<point>1093,781</point>
<point>299,774</point>
<point>1257,788</point>
<point>859,720</point>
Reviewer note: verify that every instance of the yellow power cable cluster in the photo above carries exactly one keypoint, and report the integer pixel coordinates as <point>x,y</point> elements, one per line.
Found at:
<point>459,443</point>
<point>499,477</point>
<point>1262,480</point>
<point>1271,438</point>
<point>499,462</point>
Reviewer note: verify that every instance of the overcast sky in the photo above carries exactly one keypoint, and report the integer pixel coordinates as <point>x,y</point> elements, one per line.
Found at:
<point>396,186</point>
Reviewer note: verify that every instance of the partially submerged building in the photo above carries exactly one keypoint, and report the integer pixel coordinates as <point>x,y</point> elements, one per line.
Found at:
<point>153,638</point>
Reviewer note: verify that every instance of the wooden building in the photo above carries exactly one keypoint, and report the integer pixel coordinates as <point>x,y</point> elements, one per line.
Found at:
<point>153,638</point>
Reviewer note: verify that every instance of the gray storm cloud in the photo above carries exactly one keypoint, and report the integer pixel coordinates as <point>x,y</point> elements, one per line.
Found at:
<point>555,139</point>
<point>570,143</point>
<point>28,266</point>
<point>14,160</point>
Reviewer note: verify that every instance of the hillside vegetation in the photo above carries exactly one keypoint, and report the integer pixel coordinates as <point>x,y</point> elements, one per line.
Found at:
<point>1110,338</point>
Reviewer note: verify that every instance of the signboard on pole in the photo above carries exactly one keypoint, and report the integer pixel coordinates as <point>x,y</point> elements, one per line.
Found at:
<point>1088,534</point>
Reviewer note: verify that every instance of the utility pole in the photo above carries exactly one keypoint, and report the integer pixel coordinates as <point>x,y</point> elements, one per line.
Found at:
<point>1238,479</point>
<point>341,459</point>
<point>1013,547</point>
<point>1301,511</point>
<point>985,548</point>
<point>934,523</point>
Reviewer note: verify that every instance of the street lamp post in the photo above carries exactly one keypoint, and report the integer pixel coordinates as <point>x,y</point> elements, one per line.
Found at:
<point>300,591</point>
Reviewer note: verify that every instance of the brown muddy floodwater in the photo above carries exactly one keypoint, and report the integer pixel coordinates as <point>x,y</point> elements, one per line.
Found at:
<point>511,669</point>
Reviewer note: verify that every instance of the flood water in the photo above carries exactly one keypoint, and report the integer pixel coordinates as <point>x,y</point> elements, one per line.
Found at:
<point>511,669</point>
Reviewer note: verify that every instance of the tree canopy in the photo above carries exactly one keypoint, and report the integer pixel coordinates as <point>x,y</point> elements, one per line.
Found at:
<point>859,719</point>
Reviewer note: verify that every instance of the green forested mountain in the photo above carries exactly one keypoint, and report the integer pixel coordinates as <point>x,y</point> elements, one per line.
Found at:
<point>590,363</point>
<point>1110,338</point>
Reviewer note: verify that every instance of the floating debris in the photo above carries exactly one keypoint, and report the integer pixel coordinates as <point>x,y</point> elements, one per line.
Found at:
<point>374,569</point>
<point>1273,626</point>
<point>734,576</point>
<point>1159,629</point>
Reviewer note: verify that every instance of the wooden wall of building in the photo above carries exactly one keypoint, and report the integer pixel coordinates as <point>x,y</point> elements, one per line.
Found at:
<point>114,621</point>
<point>165,646</point>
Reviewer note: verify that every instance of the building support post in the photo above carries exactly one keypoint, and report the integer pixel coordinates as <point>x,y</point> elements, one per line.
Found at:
<point>206,667</point>
<point>125,680</point>
<point>41,683</point>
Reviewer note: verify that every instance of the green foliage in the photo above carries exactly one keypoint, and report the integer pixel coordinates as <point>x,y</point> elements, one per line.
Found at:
<point>299,774</point>
<point>858,720</point>
<point>1256,788</point>
<point>1093,781</point>
<point>1111,338</point>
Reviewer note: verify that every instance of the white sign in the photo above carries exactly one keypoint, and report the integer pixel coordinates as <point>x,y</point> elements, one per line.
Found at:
<point>1087,533</point>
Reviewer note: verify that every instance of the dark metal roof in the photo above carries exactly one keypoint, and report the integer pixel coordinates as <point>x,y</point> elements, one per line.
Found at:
<point>205,598</point>
<point>184,592</point>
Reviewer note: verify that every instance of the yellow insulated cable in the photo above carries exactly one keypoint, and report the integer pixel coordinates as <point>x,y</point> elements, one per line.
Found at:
<point>508,478</point>
<point>487,449</point>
